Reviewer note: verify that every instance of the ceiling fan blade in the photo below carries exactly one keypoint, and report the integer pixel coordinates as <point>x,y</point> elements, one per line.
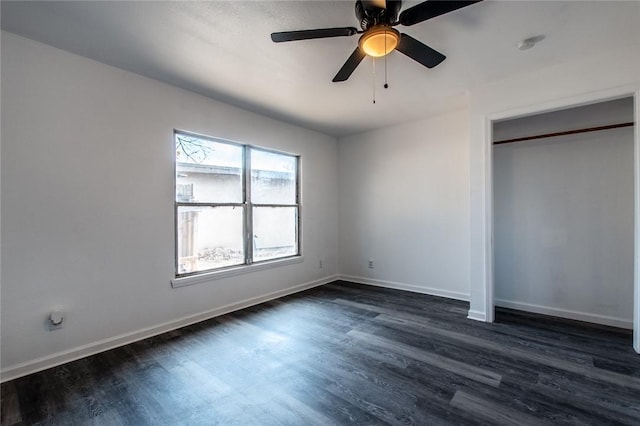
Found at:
<point>419,52</point>
<point>350,66</point>
<point>430,9</point>
<point>311,34</point>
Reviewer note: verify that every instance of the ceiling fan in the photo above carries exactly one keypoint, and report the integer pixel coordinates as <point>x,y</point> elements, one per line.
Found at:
<point>379,38</point>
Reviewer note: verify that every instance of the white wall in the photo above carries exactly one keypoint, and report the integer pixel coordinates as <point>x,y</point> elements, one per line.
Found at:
<point>604,75</point>
<point>87,205</point>
<point>563,215</point>
<point>404,203</point>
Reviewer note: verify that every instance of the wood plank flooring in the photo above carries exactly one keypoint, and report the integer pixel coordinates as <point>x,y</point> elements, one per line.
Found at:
<point>347,354</point>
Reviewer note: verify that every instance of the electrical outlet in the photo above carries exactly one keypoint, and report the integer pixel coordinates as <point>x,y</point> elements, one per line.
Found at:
<point>370,263</point>
<point>320,265</point>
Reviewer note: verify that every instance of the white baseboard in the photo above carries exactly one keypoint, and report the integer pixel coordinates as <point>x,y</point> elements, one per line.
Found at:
<point>565,313</point>
<point>43,363</point>
<point>39,364</point>
<point>407,287</point>
<point>477,315</point>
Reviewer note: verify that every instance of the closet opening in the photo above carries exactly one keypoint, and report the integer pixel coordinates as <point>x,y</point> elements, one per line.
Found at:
<point>564,209</point>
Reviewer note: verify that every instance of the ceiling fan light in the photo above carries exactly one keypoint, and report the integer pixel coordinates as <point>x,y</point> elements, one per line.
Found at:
<point>379,42</point>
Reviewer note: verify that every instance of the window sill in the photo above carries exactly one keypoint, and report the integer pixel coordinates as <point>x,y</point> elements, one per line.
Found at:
<point>239,270</point>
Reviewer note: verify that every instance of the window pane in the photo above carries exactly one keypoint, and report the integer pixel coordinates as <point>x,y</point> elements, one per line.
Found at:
<point>275,232</point>
<point>208,171</point>
<point>209,237</point>
<point>273,178</point>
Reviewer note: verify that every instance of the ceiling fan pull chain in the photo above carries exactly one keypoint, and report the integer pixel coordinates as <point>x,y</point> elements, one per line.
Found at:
<point>386,86</point>
<point>373,61</point>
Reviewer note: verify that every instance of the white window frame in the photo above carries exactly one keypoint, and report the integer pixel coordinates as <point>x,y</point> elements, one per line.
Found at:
<point>247,205</point>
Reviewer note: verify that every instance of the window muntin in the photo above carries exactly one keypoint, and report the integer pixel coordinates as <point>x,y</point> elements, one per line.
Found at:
<point>235,205</point>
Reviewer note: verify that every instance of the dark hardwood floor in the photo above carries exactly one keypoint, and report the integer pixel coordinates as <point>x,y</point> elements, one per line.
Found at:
<point>345,353</point>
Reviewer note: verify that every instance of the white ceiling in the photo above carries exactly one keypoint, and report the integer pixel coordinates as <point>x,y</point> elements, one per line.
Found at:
<point>223,50</point>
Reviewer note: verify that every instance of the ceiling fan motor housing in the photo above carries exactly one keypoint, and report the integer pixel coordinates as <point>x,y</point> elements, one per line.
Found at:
<point>371,15</point>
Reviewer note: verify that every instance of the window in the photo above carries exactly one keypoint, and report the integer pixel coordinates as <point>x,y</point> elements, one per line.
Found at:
<point>235,205</point>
